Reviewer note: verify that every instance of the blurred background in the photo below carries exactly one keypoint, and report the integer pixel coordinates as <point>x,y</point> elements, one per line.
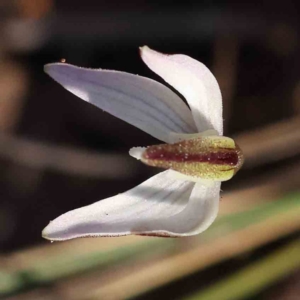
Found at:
<point>58,153</point>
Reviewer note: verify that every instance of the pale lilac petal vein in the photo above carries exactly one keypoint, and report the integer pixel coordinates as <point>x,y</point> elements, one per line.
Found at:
<point>182,127</point>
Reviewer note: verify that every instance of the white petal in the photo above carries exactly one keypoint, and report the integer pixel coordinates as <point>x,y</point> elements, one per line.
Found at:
<point>137,100</point>
<point>194,81</point>
<point>143,209</point>
<point>160,206</point>
<point>201,211</point>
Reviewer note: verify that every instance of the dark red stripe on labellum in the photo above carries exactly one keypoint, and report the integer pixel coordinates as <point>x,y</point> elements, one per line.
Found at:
<point>220,157</point>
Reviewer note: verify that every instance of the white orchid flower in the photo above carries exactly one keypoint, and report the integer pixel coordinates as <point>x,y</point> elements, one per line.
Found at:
<point>184,199</point>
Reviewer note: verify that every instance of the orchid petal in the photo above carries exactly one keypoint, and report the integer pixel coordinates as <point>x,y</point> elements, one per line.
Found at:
<point>146,208</point>
<point>140,101</point>
<point>194,81</point>
<point>201,210</point>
